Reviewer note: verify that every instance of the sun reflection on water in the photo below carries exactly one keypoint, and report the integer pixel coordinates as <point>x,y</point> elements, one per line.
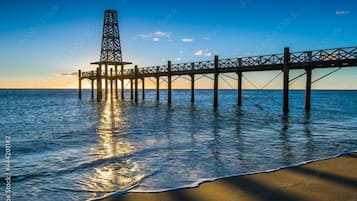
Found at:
<point>115,171</point>
<point>114,177</point>
<point>111,131</point>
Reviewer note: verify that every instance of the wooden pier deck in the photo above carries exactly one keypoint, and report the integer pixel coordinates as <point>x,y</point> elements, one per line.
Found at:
<point>286,61</point>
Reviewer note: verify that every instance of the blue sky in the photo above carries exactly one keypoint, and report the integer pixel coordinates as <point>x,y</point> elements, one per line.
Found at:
<point>42,39</point>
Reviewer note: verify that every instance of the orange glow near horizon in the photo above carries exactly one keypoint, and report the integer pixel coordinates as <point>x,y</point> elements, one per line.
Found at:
<point>259,79</point>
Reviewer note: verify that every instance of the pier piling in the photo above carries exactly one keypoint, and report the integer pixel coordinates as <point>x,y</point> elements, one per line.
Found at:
<point>169,92</point>
<point>286,80</point>
<point>111,82</point>
<point>122,81</point>
<point>157,84</point>
<point>143,88</point>
<point>216,74</point>
<point>308,71</point>
<point>79,84</point>
<point>99,84</point>
<point>106,81</point>
<point>116,81</point>
<point>239,88</point>
<point>308,89</point>
<point>136,83</point>
<point>192,88</point>
<point>192,83</point>
<point>92,85</point>
<point>131,90</point>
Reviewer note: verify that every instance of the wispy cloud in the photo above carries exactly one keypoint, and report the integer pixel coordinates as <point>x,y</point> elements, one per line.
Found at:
<point>162,34</point>
<point>205,38</point>
<point>342,12</point>
<point>187,40</point>
<point>69,74</point>
<point>205,53</point>
<point>199,53</point>
<point>155,36</point>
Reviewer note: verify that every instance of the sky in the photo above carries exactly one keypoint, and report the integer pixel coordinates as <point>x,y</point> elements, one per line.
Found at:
<point>43,41</point>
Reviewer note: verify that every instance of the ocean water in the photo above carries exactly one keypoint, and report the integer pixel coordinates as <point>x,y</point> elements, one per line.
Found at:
<point>63,148</point>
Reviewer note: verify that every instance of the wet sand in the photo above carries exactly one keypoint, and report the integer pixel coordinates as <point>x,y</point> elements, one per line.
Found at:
<point>332,179</point>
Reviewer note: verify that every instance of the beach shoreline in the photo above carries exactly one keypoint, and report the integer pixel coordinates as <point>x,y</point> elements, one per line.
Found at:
<point>326,179</point>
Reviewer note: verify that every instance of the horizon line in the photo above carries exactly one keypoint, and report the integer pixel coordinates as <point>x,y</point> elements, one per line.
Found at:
<point>181,89</point>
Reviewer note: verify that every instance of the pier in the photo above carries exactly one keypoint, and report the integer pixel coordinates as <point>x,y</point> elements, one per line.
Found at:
<point>284,62</point>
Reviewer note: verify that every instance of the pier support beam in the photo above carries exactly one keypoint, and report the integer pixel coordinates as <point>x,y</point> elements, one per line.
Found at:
<point>143,88</point>
<point>192,83</point>
<point>92,85</point>
<point>308,71</point>
<point>192,88</point>
<point>158,83</point>
<point>158,88</point>
<point>286,80</point>
<point>79,84</point>
<point>99,83</point>
<point>215,84</point>
<point>169,93</point>
<point>111,82</point>
<point>106,81</point>
<point>131,89</point>
<point>122,81</point>
<point>136,83</point>
<point>308,89</point>
<point>116,81</point>
<point>239,88</point>
<point>92,89</point>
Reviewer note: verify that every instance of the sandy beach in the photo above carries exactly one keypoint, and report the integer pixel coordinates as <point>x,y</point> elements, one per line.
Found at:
<point>331,179</point>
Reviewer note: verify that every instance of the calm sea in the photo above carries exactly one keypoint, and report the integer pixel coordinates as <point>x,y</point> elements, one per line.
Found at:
<point>63,148</point>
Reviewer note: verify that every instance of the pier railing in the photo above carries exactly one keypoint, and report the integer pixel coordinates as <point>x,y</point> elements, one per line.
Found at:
<point>315,56</point>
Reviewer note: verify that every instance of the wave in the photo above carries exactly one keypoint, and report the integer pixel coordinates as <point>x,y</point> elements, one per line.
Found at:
<point>200,181</point>
<point>115,193</point>
<point>85,165</point>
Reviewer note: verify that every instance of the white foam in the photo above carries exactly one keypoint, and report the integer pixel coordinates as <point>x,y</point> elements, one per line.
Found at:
<point>133,189</point>
<point>204,180</point>
<point>115,193</point>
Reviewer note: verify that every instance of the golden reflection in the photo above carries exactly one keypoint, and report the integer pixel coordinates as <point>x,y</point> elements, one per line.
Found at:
<point>115,171</point>
<point>115,177</point>
<point>111,125</point>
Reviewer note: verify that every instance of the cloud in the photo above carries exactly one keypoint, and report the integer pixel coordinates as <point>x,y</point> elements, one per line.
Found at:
<point>205,53</point>
<point>155,36</point>
<point>342,12</point>
<point>162,34</point>
<point>178,59</point>
<point>199,53</point>
<point>187,40</point>
<point>205,38</point>
<point>181,51</point>
<point>69,74</point>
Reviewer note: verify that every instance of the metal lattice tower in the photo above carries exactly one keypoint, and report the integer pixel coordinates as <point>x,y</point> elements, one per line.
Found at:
<point>111,48</point>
